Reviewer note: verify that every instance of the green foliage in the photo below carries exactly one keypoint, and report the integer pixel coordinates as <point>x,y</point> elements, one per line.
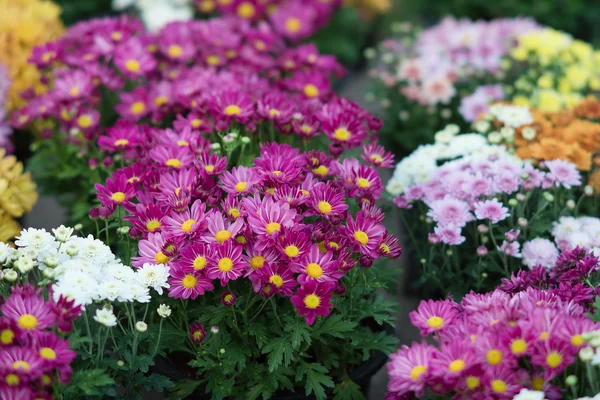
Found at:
<point>94,382</point>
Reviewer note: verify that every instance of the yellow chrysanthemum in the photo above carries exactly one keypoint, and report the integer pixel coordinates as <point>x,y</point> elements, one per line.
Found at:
<point>17,194</point>
<point>25,24</point>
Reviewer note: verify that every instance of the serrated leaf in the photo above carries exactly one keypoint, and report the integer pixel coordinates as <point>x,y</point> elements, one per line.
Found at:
<point>347,390</point>
<point>183,389</point>
<point>299,333</point>
<point>317,380</point>
<point>335,326</point>
<point>234,357</point>
<point>157,382</point>
<point>91,382</point>
<point>260,334</point>
<point>143,362</point>
<point>280,351</point>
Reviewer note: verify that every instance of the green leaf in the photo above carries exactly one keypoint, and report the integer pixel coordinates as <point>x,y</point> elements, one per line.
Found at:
<point>183,389</point>
<point>299,333</point>
<point>235,357</point>
<point>381,309</point>
<point>347,390</point>
<point>260,333</point>
<point>143,362</point>
<point>317,380</point>
<point>280,351</point>
<point>334,325</point>
<point>91,382</point>
<point>157,382</point>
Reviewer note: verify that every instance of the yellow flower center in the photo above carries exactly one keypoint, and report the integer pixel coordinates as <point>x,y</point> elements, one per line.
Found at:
<point>363,183</point>
<point>276,280</point>
<point>305,192</point>
<point>199,263</point>
<point>498,386</point>
<point>494,357</point>
<point>274,113</point>
<point>376,158</point>
<point>153,225</point>
<point>47,353</point>
<point>189,281</point>
<point>12,380</point>
<point>121,142</point>
<point>306,128</point>
<point>132,65</point>
<point>435,322</point>
<point>277,173</point>
<point>472,382</point>
<point>241,239</point>
<point>175,51</point>
<point>293,25</point>
<point>544,335</point>
<point>225,264</point>
<point>173,162</point>
<point>28,322</point>
<point>321,170</point>
<point>246,10</point>
<point>537,383</point>
<point>577,340</point>
<point>314,270</point>
<point>161,258</point>
<point>272,227</point>
<point>74,91</point>
<point>207,6</point>
<point>232,109</point>
<point>118,197</point>
<point>291,251</point>
<point>46,380</point>
<point>324,207</point>
<point>116,36</point>
<point>196,122</point>
<point>234,212</point>
<point>456,366</point>
<point>312,301</point>
<point>311,91</point>
<point>222,236</point>
<point>187,225</point>
<point>161,100</point>
<point>138,107</point>
<point>361,237</point>
<point>417,371</point>
<point>384,248</point>
<point>342,134</point>
<point>257,262</point>
<point>84,121</point>
<point>518,346</point>
<point>213,60</point>
<point>7,336</point>
<point>553,359</point>
<point>241,186</point>
<point>22,365</point>
<point>209,168</point>
<point>197,335</point>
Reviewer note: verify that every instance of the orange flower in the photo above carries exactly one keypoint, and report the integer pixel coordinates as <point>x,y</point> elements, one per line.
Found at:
<point>588,108</point>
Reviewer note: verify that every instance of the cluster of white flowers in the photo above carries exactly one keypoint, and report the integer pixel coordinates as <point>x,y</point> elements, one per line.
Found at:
<point>157,13</point>
<point>83,269</point>
<point>511,116</point>
<point>570,232</point>
<point>526,394</point>
<point>419,165</point>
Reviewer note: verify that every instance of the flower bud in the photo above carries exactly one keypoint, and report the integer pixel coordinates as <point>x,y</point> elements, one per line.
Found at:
<point>141,326</point>
<point>570,204</point>
<point>340,288</point>
<point>528,133</point>
<point>215,146</point>
<point>483,228</point>
<point>548,196</point>
<point>449,252</point>
<point>586,354</point>
<point>108,161</point>
<point>78,227</point>
<point>365,261</point>
<point>10,275</point>
<point>228,298</point>
<point>520,197</point>
<point>484,275</point>
<point>48,273</point>
<point>482,126</point>
<point>495,137</point>
<point>485,239</point>
<point>120,363</point>
<point>482,251</point>
<point>513,202</point>
<point>245,140</point>
<point>163,311</point>
<point>588,190</point>
<point>214,329</point>
<point>222,351</point>
<point>522,222</point>
<point>571,380</point>
<point>336,149</point>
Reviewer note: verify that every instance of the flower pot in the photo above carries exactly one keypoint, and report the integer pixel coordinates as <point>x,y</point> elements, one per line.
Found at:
<point>361,375</point>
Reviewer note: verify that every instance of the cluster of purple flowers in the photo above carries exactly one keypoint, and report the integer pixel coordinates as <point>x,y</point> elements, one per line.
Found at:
<point>210,75</point>
<point>468,189</point>
<point>281,223</point>
<point>32,354</point>
<point>293,19</point>
<point>524,334</point>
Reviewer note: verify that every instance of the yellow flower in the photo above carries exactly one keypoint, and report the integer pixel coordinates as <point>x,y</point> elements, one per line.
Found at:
<point>9,228</point>
<point>25,24</point>
<point>549,101</point>
<point>545,82</point>
<point>521,101</point>
<point>17,190</point>
<point>577,76</point>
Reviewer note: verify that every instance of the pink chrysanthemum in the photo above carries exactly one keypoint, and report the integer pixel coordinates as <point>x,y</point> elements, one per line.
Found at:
<point>317,266</point>
<point>29,312</point>
<point>409,369</point>
<point>225,262</point>
<point>433,316</point>
<point>313,299</point>
<point>187,284</point>
<point>492,210</point>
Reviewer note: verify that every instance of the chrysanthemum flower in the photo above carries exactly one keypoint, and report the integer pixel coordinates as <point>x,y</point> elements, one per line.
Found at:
<point>225,262</point>
<point>20,365</point>
<point>433,316</point>
<point>271,218</point>
<point>326,202</point>
<point>197,332</point>
<point>313,299</point>
<point>186,224</point>
<point>563,173</point>
<point>364,234</point>
<point>133,60</point>
<point>220,229</point>
<point>377,156</point>
<point>317,266</point>
<point>54,351</point>
<point>410,368</point>
<point>117,191</point>
<point>122,137</point>
<point>279,276</point>
<point>240,180</point>
<point>151,251</point>
<point>30,313</point>
<point>492,210</point>
<point>173,157</point>
<point>188,284</point>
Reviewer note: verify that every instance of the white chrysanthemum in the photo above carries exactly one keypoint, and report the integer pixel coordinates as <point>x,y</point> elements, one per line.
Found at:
<point>154,276</point>
<point>81,281</point>
<point>95,251</point>
<point>565,226</point>
<point>111,290</point>
<point>71,249</point>
<point>539,252</point>
<point>138,293</point>
<point>105,317</point>
<point>24,264</point>
<point>526,394</point>
<point>70,292</point>
<point>62,233</point>
<point>580,239</point>
<point>37,239</point>
<point>512,116</point>
<point>120,272</point>
<point>163,310</point>
<point>6,253</point>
